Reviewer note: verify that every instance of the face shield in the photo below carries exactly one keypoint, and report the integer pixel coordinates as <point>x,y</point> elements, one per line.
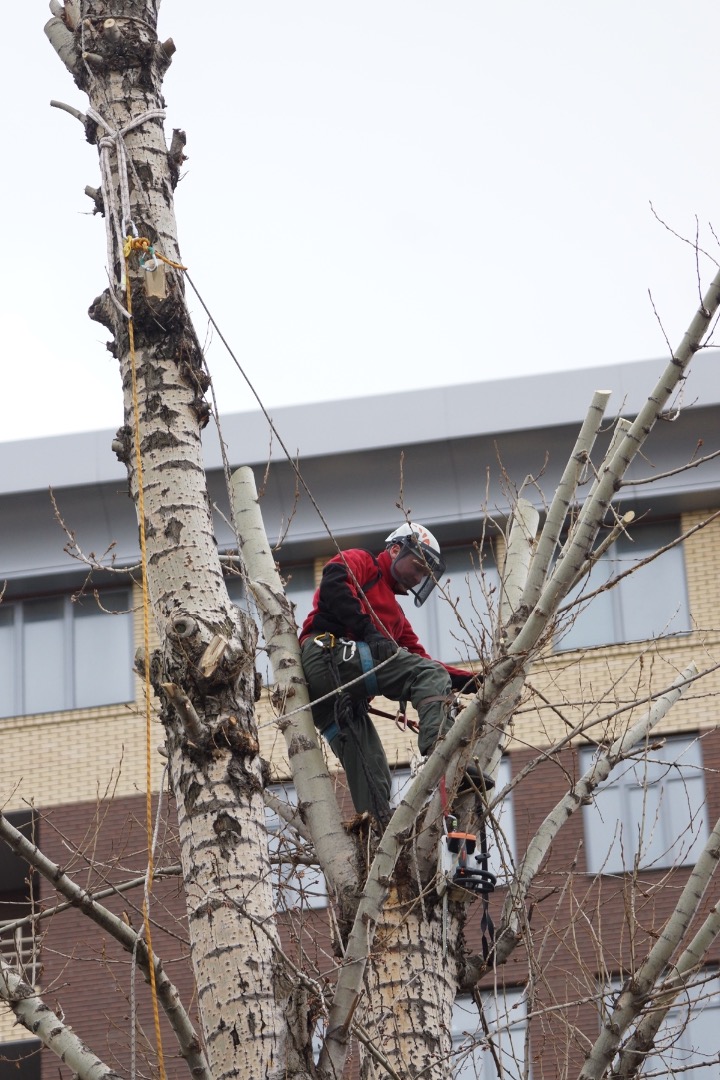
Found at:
<point>417,568</point>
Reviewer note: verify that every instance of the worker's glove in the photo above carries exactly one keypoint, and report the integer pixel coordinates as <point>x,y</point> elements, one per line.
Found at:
<point>467,682</point>
<point>381,648</point>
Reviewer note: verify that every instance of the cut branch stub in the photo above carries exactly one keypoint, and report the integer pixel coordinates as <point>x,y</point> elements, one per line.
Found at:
<point>183,627</point>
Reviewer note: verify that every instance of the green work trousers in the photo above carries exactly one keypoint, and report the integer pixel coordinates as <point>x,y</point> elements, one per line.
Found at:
<point>352,735</point>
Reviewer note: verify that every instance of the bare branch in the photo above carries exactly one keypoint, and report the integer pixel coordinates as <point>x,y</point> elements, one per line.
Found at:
<point>39,1019</point>
<point>510,926</point>
<point>637,989</point>
<point>168,996</point>
<point>672,472</point>
<point>69,109</point>
<point>316,796</point>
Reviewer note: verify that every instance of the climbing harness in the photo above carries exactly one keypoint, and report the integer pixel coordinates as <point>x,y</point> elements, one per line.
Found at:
<point>349,709</point>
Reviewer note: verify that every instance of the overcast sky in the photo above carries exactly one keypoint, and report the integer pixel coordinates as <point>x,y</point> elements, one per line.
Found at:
<point>378,195</point>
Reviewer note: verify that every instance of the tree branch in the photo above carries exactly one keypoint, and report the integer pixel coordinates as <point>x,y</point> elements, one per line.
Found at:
<point>316,797</point>
<point>680,976</point>
<point>563,497</point>
<point>636,992</point>
<point>168,996</point>
<point>510,929</point>
<point>39,1019</point>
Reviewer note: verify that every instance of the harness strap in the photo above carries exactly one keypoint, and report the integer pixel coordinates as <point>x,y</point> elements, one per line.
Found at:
<point>447,699</point>
<point>331,731</point>
<point>366,662</point>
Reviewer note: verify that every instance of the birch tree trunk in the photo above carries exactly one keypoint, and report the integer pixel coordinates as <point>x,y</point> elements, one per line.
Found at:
<point>206,658</point>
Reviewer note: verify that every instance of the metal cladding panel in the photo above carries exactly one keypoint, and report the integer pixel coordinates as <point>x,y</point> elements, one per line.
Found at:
<point>415,417</point>
<point>452,485</point>
<point>32,541</point>
<point>449,483</point>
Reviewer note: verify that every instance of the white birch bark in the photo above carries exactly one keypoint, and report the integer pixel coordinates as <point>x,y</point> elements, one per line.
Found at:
<point>409,990</point>
<point>317,804</point>
<point>563,497</point>
<point>518,557</point>
<point>207,648</point>
<point>42,1023</point>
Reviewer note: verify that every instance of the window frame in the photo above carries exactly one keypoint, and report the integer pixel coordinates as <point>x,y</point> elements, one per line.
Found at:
<point>675,795</point>
<point>474,1059</point>
<point>618,614</point>
<point>22,658</point>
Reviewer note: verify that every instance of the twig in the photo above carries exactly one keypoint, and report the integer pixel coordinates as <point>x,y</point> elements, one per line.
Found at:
<point>69,109</point>
<point>168,996</point>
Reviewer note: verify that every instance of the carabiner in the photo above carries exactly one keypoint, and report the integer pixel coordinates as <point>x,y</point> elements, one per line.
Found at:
<point>348,645</point>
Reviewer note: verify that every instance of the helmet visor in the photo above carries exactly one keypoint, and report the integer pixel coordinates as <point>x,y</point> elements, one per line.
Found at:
<point>418,568</point>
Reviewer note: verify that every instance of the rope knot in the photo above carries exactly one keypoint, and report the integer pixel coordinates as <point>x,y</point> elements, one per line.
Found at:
<point>116,224</point>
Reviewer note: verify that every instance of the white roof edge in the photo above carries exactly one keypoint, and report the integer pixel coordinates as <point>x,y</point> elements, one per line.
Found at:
<point>519,403</point>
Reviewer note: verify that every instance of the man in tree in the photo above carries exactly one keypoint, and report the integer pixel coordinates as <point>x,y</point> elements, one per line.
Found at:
<point>357,636</point>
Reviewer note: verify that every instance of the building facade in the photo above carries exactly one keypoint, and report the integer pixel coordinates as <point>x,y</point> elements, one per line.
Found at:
<point>72,712</point>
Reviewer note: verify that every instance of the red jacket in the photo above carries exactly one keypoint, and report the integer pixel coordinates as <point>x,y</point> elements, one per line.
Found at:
<point>340,608</point>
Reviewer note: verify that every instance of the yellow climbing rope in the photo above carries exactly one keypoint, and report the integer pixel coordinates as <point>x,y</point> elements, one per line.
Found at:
<point>131,244</point>
<point>143,245</point>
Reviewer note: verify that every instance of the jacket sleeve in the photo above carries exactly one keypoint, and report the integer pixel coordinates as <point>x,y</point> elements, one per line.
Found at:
<point>338,598</point>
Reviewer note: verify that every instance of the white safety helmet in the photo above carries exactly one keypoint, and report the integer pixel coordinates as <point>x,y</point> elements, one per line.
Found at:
<point>416,541</point>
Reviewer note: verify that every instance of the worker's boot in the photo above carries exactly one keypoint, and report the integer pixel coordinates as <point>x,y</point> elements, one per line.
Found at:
<point>475,781</point>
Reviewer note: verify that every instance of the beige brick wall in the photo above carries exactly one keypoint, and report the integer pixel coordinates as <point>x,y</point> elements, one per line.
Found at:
<point>614,677</point>
<point>83,755</point>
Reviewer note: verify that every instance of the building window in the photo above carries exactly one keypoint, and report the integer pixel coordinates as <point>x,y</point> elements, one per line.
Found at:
<point>687,1043</point>
<point>651,811</point>
<point>20,1060</point>
<point>506,1019</point>
<point>501,830</point>
<point>62,652</point>
<point>456,620</point>
<point>18,896</point>
<point>296,884</point>
<point>645,604</point>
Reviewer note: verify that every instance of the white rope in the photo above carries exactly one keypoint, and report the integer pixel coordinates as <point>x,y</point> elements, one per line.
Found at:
<point>117,224</point>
